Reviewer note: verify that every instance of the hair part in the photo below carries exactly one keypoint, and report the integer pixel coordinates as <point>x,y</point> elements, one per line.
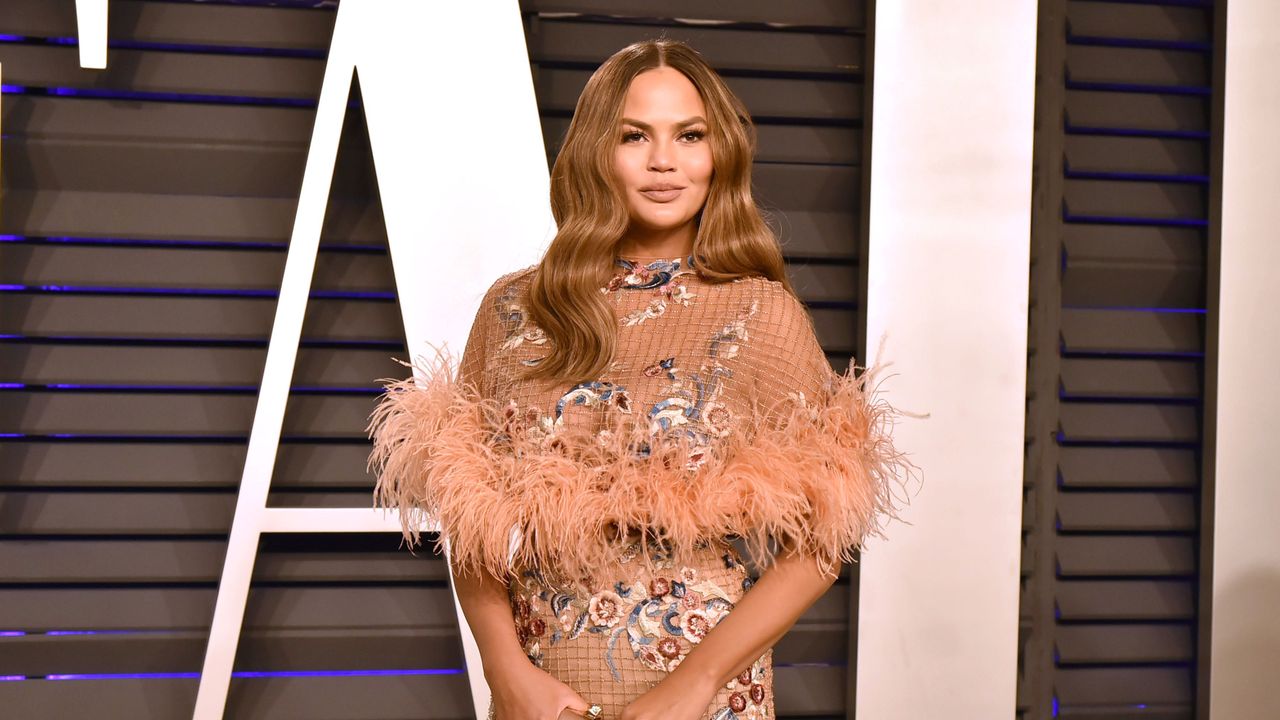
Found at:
<point>590,209</point>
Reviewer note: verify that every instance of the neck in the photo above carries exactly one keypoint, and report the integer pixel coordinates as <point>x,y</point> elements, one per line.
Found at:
<point>638,243</point>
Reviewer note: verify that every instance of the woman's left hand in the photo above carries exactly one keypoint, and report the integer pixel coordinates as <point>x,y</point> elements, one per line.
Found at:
<point>675,698</point>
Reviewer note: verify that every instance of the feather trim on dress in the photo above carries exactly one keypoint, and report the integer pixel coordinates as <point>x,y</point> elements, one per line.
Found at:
<point>818,471</point>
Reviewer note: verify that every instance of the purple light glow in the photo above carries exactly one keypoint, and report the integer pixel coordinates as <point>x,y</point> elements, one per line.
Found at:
<point>246,674</point>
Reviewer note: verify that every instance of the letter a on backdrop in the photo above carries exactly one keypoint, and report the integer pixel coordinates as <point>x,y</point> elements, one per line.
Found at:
<point>462,175</point>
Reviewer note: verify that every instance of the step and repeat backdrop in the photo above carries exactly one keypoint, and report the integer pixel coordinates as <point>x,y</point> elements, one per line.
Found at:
<point>1038,237</point>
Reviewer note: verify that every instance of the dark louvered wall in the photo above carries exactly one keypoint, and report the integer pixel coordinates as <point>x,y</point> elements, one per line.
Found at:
<point>146,214</point>
<point>1109,610</point>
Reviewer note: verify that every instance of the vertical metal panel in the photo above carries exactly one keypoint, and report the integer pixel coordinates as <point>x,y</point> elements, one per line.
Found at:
<point>1109,607</point>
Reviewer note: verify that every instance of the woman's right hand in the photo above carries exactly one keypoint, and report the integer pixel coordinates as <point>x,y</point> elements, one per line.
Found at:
<point>526,692</point>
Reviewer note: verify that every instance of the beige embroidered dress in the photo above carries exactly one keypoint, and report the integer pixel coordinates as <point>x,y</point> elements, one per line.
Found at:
<point>719,417</point>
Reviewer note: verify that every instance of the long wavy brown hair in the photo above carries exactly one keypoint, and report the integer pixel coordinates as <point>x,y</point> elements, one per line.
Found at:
<point>591,213</point>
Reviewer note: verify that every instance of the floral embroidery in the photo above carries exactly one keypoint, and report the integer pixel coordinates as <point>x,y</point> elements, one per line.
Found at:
<point>662,619</point>
<point>512,315</point>
<point>748,697</point>
<point>693,406</point>
<point>649,276</point>
<point>596,392</point>
<point>656,276</point>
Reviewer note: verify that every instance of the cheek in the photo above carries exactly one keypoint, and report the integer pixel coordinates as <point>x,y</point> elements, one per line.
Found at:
<point>629,167</point>
<point>700,165</point>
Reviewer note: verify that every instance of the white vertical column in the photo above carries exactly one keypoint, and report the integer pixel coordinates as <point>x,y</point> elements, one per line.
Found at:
<point>91,33</point>
<point>462,178</point>
<point>1245,646</point>
<point>948,280</point>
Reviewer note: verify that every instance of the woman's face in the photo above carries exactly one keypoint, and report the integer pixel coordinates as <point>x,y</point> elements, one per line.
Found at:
<point>662,144</point>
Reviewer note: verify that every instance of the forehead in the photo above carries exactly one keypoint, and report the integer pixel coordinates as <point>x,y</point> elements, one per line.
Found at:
<point>662,94</point>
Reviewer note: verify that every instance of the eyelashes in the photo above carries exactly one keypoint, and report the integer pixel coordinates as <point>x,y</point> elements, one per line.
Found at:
<point>696,134</point>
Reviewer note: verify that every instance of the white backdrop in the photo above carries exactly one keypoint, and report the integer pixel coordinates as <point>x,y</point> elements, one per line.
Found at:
<point>1245,665</point>
<point>948,279</point>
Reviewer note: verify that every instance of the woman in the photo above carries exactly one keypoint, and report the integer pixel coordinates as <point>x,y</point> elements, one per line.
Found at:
<point>649,391</point>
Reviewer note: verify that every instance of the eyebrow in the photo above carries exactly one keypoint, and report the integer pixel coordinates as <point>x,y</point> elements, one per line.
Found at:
<point>683,123</point>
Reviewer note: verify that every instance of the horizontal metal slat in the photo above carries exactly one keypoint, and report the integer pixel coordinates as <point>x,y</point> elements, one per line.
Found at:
<point>37,465</point>
<point>199,367</point>
<point>192,318</point>
<point>1147,379</point>
<point>1138,21</point>
<point>132,513</point>
<point>154,167</point>
<point>1127,511</point>
<point>1137,66</point>
<point>183,23</point>
<point>33,116</point>
<point>815,233</point>
<point>1110,422</point>
<point>1143,600</point>
<point>1136,111</point>
<point>357,648</point>
<point>728,50</point>
<point>823,283</point>
<point>1154,556</point>
<point>1131,331</point>
<point>185,267</point>
<point>1128,685</point>
<point>1129,644</point>
<point>1136,155</point>
<point>387,697</point>
<point>1134,467</point>
<point>843,14</point>
<point>1139,200</point>
<point>178,414</point>
<point>157,71</point>
<point>806,187</point>
<point>139,560</point>
<point>1134,266</point>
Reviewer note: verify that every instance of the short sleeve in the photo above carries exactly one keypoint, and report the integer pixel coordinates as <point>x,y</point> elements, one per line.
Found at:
<point>431,452</point>
<point>789,363</point>
<point>473,368</point>
<point>819,466</point>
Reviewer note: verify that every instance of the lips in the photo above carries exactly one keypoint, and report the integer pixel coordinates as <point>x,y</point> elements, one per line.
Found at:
<point>662,192</point>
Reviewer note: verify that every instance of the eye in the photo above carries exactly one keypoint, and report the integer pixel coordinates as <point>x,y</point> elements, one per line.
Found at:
<point>627,136</point>
<point>695,134</point>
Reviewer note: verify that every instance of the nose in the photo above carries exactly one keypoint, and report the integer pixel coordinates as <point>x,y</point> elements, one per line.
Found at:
<point>660,156</point>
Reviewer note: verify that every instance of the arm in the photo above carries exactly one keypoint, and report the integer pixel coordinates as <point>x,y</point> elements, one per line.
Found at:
<point>765,613</point>
<point>485,604</point>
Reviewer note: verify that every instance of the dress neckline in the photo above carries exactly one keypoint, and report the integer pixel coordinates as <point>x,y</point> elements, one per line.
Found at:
<point>637,272</point>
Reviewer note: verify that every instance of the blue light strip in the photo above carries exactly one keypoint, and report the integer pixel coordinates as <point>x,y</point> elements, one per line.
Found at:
<point>1203,46</point>
<point>244,50</point>
<point>1200,90</point>
<point>203,389</point>
<point>188,244</point>
<point>1134,177</point>
<point>1150,222</point>
<point>108,94</point>
<point>195,292</point>
<point>1136,308</point>
<point>1136,132</point>
<point>392,345</point>
<point>241,674</point>
<point>183,439</point>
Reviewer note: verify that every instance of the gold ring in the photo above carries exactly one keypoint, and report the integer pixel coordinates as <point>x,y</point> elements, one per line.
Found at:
<point>593,712</point>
